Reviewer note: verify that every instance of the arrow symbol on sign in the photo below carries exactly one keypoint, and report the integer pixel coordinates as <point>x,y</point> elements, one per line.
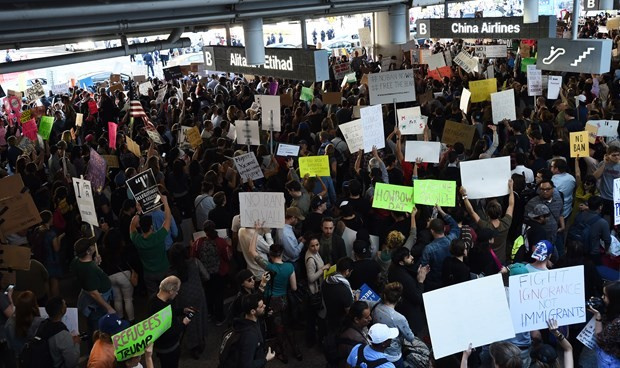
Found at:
<point>582,56</point>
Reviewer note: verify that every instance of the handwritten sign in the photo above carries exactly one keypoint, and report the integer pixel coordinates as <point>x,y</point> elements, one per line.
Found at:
<point>286,150</point>
<point>133,147</point>
<point>579,145</point>
<point>427,151</point>
<point>554,85</point>
<point>29,129</point>
<point>592,133</point>
<point>193,136</point>
<point>144,189</point>
<point>411,121</point>
<point>270,112</point>
<point>341,70</point>
<point>534,81</point>
<point>144,88</point>
<point>25,116</point>
<point>45,127</point>
<point>435,61</point>
<point>247,132</point>
<point>372,125</point>
<point>432,192</point>
<point>248,167</point>
<point>79,118</point>
<point>85,201</point>
<point>390,87</point>
<point>354,134</point>
<point>393,197</point>
<point>134,340</point>
<point>606,128</point>
<point>314,165</point>
<point>456,132</point>
<point>503,106</point>
<point>587,336</point>
<point>466,61</point>
<point>481,90</point>
<point>440,73</point>
<point>262,207</point>
<point>538,296</point>
<point>307,94</point>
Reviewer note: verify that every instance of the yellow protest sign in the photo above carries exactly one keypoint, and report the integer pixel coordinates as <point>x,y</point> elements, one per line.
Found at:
<point>481,90</point>
<point>457,132</point>
<point>431,192</point>
<point>579,145</point>
<point>193,136</point>
<point>393,197</point>
<point>592,133</point>
<point>133,147</point>
<point>111,161</point>
<point>314,165</point>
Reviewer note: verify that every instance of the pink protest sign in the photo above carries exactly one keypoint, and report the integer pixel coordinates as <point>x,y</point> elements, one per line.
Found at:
<point>30,129</point>
<point>112,134</point>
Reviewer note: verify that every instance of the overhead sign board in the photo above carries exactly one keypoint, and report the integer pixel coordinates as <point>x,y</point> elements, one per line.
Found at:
<point>575,56</point>
<point>503,28</point>
<point>309,65</point>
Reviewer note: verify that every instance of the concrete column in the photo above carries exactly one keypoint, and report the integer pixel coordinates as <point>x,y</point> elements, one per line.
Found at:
<point>399,24</point>
<point>304,33</point>
<point>228,38</point>
<point>383,44</point>
<point>530,11</point>
<point>254,43</point>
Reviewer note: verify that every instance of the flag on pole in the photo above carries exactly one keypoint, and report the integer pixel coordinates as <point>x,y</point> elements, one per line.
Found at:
<point>136,111</point>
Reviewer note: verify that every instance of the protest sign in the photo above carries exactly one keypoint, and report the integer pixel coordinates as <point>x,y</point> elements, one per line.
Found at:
<point>481,90</point>
<point>587,336</point>
<point>144,88</point>
<point>144,189</point>
<point>525,62</point>
<point>85,201</point>
<point>411,121</point>
<point>21,212</point>
<point>314,165</point>
<point>353,134</point>
<point>372,125</point>
<point>247,132</point>
<point>263,207</point>
<point>29,129</point>
<point>154,136</point>
<point>467,62</point>
<point>440,73</point>
<point>534,81</point>
<point>364,79</point>
<point>79,117</point>
<point>579,145</point>
<point>307,94</point>
<point>70,319</point>
<point>367,294</point>
<point>60,88</point>
<point>270,112</point>
<point>393,197</point>
<point>390,87</point>
<point>45,127</point>
<point>26,144</point>
<point>464,103</point>
<point>350,78</point>
<point>435,61</point>
<point>35,92</point>
<point>112,134</point>
<point>616,195</point>
<point>193,136</point>
<point>133,147</point>
<point>553,87</point>
<point>248,167</point>
<point>592,133</point>
<point>332,98</point>
<point>364,36</point>
<point>491,51</point>
<point>287,150</point>
<point>182,139</point>
<point>424,55</point>
<point>432,192</point>
<point>96,171</point>
<point>487,321</point>
<point>457,132</point>
<point>536,297</point>
<point>427,151</point>
<point>111,161</point>
<point>503,106</point>
<point>356,112</point>
<point>25,116</point>
<point>133,341</point>
<point>606,128</point>
<point>115,78</point>
<point>286,100</point>
<point>341,70</point>
<point>486,178</point>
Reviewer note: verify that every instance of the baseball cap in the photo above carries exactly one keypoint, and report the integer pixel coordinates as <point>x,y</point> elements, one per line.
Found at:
<point>543,250</point>
<point>294,212</point>
<point>379,333</point>
<point>544,353</point>
<point>582,98</point>
<point>317,201</point>
<point>82,245</point>
<point>539,210</point>
<point>111,324</point>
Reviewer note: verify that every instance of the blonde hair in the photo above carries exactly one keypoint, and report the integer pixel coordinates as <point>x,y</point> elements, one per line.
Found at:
<point>170,283</point>
<point>394,239</point>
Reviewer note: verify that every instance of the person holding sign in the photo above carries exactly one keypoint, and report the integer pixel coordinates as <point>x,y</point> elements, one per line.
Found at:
<point>439,249</point>
<point>102,353</point>
<point>607,327</point>
<point>608,170</point>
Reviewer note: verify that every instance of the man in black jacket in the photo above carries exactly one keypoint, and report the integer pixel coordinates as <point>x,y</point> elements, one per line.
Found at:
<point>250,348</point>
<point>332,246</point>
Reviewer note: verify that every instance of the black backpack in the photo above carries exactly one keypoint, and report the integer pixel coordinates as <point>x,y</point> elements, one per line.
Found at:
<point>227,356</point>
<point>362,362</point>
<point>36,352</point>
<point>581,232</point>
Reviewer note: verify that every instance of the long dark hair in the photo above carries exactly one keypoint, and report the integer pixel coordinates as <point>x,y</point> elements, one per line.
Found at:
<point>26,309</point>
<point>178,256</point>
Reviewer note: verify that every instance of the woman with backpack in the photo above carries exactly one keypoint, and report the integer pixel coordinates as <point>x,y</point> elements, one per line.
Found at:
<point>315,267</point>
<point>23,325</point>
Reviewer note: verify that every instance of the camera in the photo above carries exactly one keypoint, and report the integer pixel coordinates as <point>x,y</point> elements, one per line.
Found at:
<point>595,303</point>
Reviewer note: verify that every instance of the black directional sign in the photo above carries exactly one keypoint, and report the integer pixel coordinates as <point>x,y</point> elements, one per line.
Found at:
<point>577,56</point>
<point>501,28</point>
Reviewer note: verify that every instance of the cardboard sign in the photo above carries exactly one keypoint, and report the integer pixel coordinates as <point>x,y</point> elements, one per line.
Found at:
<point>270,112</point>
<point>287,150</point>
<point>247,132</point>
<point>248,167</point>
<point>286,100</point>
<point>486,178</point>
<point>144,88</point>
<point>390,87</point>
<point>372,125</point>
<point>411,121</point>
<point>503,106</point>
<point>332,98</point>
<point>538,296</point>
<point>393,197</point>
<point>45,127</point>
<point>21,211</point>
<point>79,118</point>
<point>534,81</point>
<point>314,165</point>
<point>133,147</point>
<point>605,128</point>
<point>456,132</point>
<point>427,151</point>
<point>579,144</point>
<point>432,192</point>
<point>592,133</point>
<point>111,161</point>
<point>85,201</point>
<point>587,336</point>
<point>144,190</point>
<point>35,92</point>
<point>464,103</point>
<point>553,87</point>
<point>115,78</point>
<point>134,340</point>
<point>262,207</point>
<point>525,50</point>
<point>488,316</point>
<point>481,90</point>
<point>15,256</point>
<point>193,136</point>
<point>467,62</point>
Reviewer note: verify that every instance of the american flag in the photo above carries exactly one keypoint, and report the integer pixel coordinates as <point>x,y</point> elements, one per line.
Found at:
<point>136,111</point>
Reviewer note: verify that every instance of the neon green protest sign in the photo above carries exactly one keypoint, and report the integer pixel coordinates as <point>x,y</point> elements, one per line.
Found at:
<point>393,197</point>
<point>431,192</point>
<point>133,341</point>
<point>45,126</point>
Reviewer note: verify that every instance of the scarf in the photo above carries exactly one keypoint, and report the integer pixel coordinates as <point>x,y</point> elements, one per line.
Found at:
<point>338,278</point>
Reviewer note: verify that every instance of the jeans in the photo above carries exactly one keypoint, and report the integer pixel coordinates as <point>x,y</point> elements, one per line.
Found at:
<point>122,290</point>
<point>150,70</point>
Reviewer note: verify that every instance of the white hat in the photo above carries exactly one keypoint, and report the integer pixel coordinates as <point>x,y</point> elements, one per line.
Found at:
<point>379,333</point>
<point>582,98</point>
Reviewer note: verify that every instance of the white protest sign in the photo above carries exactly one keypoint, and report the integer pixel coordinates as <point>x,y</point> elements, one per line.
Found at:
<point>144,88</point>
<point>487,321</point>
<point>536,297</point>
<point>390,87</point>
<point>411,121</point>
<point>341,70</point>
<point>248,167</point>
<point>353,134</point>
<point>606,128</point>
<point>35,92</point>
<point>270,111</point>
<point>492,51</point>
<point>364,36</point>
<point>372,126</point>
<point>466,61</point>
<point>587,336</point>
<point>265,208</point>
<point>448,57</point>
<point>534,81</point>
<point>161,93</point>
<point>503,106</point>
<point>70,319</point>
<point>486,178</point>
<point>287,150</point>
<point>182,139</point>
<point>435,61</point>
<point>61,88</point>
<point>427,151</point>
<point>154,136</point>
<point>85,201</point>
<point>617,201</point>
<point>247,132</point>
<point>553,87</point>
<point>465,96</point>
<point>348,236</point>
